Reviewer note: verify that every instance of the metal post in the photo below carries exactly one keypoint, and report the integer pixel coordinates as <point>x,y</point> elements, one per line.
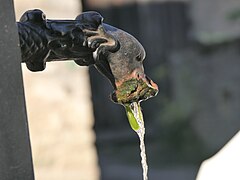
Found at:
<point>15,150</point>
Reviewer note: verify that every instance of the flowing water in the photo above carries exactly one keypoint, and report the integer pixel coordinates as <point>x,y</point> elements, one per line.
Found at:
<point>136,121</point>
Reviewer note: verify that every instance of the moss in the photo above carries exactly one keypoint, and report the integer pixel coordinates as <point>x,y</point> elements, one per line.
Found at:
<point>133,90</point>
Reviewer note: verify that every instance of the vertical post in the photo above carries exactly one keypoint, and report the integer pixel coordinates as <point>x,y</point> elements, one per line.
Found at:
<point>15,150</point>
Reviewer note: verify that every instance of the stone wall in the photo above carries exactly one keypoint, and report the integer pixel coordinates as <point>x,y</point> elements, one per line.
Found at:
<point>216,20</point>
<point>207,84</point>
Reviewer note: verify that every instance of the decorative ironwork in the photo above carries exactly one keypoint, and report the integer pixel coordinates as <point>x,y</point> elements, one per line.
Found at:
<point>87,41</point>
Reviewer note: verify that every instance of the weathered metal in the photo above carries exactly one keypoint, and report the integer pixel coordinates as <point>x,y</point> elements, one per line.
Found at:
<point>87,41</point>
<point>43,40</point>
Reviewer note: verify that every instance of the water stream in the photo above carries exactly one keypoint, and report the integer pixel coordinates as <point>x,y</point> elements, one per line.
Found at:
<point>136,121</point>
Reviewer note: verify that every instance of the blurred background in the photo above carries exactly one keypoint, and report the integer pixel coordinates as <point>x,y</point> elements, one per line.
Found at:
<point>192,54</point>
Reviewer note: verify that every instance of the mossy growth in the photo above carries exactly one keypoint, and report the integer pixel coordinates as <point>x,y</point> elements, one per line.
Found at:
<point>133,90</point>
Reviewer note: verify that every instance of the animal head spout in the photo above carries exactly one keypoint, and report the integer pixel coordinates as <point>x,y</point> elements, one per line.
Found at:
<point>119,56</point>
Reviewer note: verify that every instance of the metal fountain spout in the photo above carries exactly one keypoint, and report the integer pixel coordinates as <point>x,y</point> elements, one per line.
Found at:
<point>88,41</point>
